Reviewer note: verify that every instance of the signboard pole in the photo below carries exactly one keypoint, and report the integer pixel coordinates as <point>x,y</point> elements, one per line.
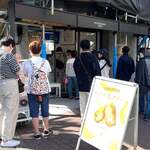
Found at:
<point>136,119</point>
<point>78,143</point>
<point>43,32</point>
<point>52,7</point>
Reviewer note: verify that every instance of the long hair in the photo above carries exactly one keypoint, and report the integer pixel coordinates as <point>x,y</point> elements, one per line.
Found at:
<point>105,56</point>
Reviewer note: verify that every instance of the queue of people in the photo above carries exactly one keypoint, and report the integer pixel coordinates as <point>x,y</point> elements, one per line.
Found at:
<point>80,71</point>
<point>37,70</point>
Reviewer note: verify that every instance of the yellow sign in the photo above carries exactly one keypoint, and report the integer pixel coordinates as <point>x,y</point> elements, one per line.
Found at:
<point>107,113</point>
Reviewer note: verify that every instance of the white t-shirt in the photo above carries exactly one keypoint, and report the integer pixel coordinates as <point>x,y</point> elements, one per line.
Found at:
<point>37,61</point>
<point>69,67</point>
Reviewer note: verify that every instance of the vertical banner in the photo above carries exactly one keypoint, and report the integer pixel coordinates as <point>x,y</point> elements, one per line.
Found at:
<point>107,113</point>
<point>115,57</point>
<point>43,51</point>
<point>43,48</point>
<point>115,62</point>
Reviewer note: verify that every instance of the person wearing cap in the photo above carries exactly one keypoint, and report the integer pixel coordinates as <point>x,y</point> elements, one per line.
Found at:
<point>125,66</point>
<point>9,95</point>
<point>104,62</point>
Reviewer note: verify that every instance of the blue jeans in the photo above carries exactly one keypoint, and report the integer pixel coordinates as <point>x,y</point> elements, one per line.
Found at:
<point>72,83</point>
<point>147,106</point>
<point>35,105</point>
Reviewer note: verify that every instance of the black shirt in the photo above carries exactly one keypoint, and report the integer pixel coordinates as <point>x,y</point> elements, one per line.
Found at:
<point>86,73</point>
<point>125,67</point>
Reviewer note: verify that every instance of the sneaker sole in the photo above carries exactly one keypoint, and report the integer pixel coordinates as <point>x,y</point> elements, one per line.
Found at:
<point>9,146</point>
<point>37,138</point>
<point>46,135</point>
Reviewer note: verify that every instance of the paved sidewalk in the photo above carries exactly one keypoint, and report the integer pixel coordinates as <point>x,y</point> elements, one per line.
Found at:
<point>144,126</point>
<point>65,122</point>
<point>64,106</point>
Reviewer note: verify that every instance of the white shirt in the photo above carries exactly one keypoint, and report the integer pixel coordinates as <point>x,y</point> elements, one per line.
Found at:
<point>37,61</point>
<point>105,70</point>
<point>69,67</point>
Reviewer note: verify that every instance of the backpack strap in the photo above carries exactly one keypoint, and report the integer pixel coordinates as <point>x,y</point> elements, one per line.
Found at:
<point>103,66</point>
<point>42,64</point>
<point>32,65</point>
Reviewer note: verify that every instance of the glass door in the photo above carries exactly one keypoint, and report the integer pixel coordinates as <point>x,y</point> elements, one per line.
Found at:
<point>91,36</point>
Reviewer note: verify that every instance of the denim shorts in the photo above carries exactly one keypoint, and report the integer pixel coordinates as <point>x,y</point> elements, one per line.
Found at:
<point>35,105</point>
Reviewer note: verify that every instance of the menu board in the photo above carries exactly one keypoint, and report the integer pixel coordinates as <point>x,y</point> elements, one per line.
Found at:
<point>107,113</point>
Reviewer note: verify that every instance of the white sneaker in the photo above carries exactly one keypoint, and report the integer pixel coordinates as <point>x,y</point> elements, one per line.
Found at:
<point>10,143</point>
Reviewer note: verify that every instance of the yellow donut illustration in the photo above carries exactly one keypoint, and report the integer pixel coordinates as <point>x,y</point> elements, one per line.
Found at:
<point>113,146</point>
<point>87,133</point>
<point>123,112</point>
<point>99,114</point>
<point>110,115</point>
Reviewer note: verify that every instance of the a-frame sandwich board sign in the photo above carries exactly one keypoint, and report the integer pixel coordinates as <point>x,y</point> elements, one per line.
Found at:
<point>108,121</point>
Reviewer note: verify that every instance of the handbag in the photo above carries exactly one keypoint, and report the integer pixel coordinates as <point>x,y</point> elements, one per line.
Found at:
<point>65,80</point>
<point>20,86</point>
<point>39,98</point>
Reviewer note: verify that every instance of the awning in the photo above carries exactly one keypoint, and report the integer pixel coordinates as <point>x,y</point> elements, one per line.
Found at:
<point>137,7</point>
<point>133,28</point>
<point>44,15</point>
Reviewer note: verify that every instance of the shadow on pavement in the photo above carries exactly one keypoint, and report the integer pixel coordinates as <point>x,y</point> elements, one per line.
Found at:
<point>55,142</point>
<point>66,129</point>
<point>65,136</point>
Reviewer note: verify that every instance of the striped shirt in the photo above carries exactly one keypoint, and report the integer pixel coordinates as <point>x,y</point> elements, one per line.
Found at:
<point>8,66</point>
